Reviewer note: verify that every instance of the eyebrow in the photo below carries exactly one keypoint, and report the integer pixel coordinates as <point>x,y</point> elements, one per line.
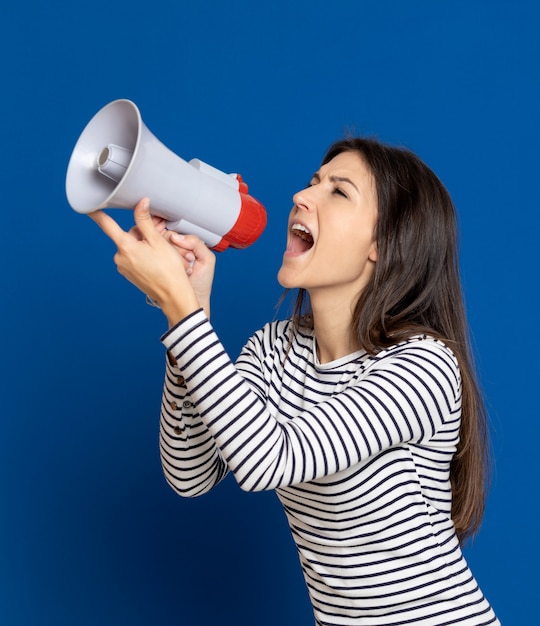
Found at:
<point>335,179</point>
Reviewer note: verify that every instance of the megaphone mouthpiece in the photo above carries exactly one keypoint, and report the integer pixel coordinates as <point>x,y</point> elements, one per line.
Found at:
<point>113,162</point>
<point>117,161</point>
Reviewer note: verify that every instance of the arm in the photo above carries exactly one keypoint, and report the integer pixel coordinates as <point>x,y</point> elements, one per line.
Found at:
<point>178,278</point>
<point>407,396</point>
<point>191,461</point>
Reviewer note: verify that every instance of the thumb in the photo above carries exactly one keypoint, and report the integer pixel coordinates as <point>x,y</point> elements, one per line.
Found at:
<point>144,222</point>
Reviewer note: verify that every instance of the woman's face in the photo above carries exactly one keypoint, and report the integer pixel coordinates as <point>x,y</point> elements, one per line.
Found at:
<point>331,246</point>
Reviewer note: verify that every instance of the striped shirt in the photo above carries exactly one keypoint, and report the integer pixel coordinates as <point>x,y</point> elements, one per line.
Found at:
<point>358,451</point>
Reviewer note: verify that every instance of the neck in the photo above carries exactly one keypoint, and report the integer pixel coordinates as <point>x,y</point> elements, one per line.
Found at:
<point>333,324</point>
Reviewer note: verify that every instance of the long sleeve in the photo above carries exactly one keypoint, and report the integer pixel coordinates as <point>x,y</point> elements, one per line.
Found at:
<point>409,395</point>
<point>191,461</point>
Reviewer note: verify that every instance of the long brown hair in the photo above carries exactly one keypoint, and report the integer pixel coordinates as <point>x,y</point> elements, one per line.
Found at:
<point>416,288</point>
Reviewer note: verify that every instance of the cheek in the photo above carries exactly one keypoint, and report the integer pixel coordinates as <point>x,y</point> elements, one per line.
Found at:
<point>374,252</point>
<point>352,240</point>
<point>347,253</point>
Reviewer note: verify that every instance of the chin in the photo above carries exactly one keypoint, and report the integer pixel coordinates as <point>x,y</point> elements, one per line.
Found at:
<point>286,280</point>
<point>282,280</point>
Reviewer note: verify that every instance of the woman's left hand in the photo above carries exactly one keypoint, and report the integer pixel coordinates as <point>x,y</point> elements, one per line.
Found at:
<point>201,267</point>
<point>151,263</point>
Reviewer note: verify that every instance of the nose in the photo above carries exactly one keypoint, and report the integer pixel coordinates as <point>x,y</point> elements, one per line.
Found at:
<point>304,199</point>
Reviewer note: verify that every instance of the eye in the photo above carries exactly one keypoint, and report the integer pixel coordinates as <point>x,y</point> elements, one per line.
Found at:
<point>339,192</point>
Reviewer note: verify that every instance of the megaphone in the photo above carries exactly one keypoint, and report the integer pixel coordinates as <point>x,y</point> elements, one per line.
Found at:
<point>117,161</point>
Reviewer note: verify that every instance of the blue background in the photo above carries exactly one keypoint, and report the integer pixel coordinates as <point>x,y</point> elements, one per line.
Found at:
<point>89,531</point>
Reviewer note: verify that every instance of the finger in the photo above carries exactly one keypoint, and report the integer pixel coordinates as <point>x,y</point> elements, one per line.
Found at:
<point>186,242</point>
<point>184,251</point>
<point>144,222</point>
<point>191,242</point>
<point>107,225</point>
<point>159,223</point>
<point>135,233</point>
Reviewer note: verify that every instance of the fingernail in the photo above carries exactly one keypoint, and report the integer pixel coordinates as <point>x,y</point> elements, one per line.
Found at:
<point>177,237</point>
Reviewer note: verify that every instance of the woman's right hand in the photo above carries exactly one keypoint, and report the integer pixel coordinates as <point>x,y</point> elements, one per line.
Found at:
<point>200,261</point>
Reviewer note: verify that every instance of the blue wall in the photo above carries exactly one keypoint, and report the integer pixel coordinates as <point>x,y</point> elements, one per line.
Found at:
<point>89,531</point>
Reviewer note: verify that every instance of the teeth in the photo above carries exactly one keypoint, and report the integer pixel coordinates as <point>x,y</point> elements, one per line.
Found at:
<point>301,231</point>
<point>300,227</point>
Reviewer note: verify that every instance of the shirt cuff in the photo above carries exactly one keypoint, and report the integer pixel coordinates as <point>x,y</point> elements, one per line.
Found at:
<point>182,329</point>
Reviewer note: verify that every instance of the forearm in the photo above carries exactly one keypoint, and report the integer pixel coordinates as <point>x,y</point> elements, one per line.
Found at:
<point>223,400</point>
<point>191,462</point>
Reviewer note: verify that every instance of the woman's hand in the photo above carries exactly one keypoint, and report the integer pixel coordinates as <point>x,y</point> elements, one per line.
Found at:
<point>199,261</point>
<point>152,264</point>
<point>200,265</point>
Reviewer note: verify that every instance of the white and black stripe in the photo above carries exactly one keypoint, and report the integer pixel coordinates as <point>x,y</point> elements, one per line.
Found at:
<point>358,451</point>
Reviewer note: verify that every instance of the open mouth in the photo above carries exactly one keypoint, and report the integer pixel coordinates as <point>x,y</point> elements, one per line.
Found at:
<point>301,239</point>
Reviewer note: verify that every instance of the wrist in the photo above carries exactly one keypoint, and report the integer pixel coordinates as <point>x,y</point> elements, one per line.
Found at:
<point>205,305</point>
<point>175,310</point>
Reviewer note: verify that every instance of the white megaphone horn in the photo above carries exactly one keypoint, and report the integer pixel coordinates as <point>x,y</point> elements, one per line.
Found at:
<point>117,161</point>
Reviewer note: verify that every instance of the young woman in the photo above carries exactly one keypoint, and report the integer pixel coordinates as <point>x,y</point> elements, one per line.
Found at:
<point>361,411</point>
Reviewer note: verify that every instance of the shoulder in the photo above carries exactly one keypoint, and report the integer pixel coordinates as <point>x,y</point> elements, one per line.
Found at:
<point>421,353</point>
<point>418,344</point>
